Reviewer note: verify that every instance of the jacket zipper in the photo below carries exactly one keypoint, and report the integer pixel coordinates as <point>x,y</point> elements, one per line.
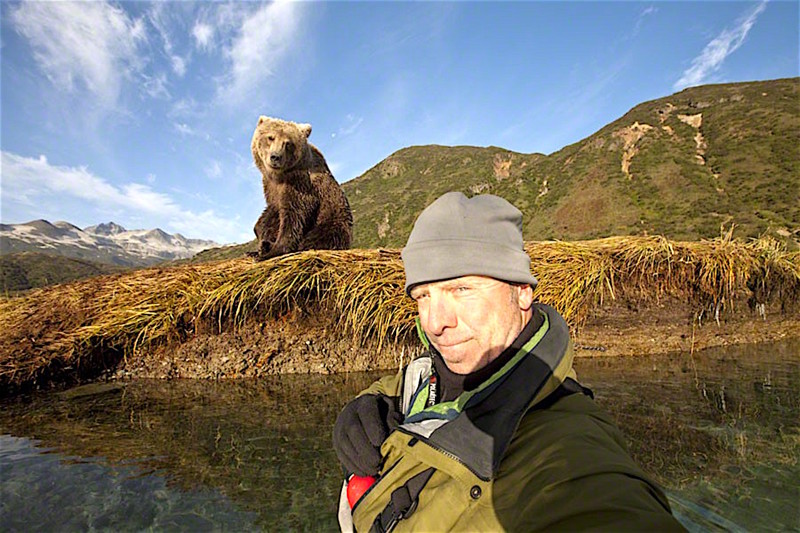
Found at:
<point>443,452</point>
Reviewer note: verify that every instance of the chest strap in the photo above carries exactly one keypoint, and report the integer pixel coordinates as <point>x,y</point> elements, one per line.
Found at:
<point>402,504</point>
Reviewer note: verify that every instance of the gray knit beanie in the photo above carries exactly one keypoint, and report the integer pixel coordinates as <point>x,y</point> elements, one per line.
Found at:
<point>458,236</point>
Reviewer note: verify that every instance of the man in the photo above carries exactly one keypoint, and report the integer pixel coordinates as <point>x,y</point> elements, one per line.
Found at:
<point>488,430</point>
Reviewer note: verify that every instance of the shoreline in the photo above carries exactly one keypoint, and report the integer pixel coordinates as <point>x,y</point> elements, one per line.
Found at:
<point>305,344</point>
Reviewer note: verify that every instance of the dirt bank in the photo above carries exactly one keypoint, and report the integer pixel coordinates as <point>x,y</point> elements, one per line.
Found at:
<point>670,327</point>
<point>304,343</point>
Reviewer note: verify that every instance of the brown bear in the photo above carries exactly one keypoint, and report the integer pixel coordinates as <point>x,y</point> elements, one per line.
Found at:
<point>306,207</point>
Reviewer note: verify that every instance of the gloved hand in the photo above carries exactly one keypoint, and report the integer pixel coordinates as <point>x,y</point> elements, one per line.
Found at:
<point>361,428</point>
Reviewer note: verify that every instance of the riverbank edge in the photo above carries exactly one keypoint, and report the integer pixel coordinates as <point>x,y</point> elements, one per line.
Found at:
<point>329,311</point>
<point>304,343</point>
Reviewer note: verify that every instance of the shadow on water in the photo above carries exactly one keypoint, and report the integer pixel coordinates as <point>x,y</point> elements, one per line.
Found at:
<point>718,429</point>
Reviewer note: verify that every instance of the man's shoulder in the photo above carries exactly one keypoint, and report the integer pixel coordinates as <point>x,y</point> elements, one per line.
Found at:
<point>570,407</point>
<point>574,448</point>
<point>573,432</point>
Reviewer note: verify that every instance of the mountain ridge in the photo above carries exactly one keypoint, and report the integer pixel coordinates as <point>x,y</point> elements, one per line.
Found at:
<point>107,243</point>
<point>684,166</point>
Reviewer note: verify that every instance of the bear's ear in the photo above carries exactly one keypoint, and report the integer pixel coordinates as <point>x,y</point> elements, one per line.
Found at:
<point>262,119</point>
<point>305,129</point>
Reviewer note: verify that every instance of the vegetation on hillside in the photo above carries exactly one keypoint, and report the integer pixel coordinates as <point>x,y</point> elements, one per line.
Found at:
<point>29,270</point>
<point>224,252</point>
<point>682,166</point>
<point>79,329</point>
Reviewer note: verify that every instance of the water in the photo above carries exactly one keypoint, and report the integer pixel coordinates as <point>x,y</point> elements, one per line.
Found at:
<point>720,430</point>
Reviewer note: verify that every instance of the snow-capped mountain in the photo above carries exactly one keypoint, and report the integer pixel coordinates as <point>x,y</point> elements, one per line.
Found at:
<point>105,229</point>
<point>105,243</point>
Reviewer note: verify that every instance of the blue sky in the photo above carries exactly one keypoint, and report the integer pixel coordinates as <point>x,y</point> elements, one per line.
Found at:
<point>142,113</point>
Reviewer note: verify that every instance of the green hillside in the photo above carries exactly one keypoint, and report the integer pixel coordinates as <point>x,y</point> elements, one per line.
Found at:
<point>680,166</point>
<point>30,270</point>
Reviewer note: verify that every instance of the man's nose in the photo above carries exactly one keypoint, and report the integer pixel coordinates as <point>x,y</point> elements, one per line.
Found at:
<point>441,314</point>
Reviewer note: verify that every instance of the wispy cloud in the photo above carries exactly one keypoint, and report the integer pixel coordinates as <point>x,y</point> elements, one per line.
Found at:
<point>187,131</point>
<point>27,180</point>
<point>351,124</point>
<point>715,52</point>
<point>185,107</point>
<point>649,10</point>
<point>263,42</point>
<point>214,169</point>
<point>159,18</point>
<point>156,86</point>
<point>93,44</point>
<point>184,129</point>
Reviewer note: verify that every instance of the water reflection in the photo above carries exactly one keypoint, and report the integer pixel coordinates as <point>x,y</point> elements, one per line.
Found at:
<point>719,429</point>
<point>46,491</point>
<point>264,445</point>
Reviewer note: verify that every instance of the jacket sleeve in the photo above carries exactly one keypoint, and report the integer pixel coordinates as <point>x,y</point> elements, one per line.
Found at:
<point>388,386</point>
<point>568,469</point>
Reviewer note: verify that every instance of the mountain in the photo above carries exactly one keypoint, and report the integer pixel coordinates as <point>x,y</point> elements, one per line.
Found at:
<point>681,166</point>
<point>104,243</point>
<point>109,228</point>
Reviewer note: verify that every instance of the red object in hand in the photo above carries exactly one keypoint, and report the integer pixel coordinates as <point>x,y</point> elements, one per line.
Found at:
<point>357,486</point>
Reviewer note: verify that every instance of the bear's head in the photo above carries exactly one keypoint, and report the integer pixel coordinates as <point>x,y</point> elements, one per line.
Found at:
<point>279,144</point>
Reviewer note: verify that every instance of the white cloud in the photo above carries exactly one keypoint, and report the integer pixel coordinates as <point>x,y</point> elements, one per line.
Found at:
<point>650,10</point>
<point>28,180</point>
<point>178,65</point>
<point>214,169</point>
<point>93,44</point>
<point>184,129</point>
<point>264,41</point>
<point>351,125</point>
<point>715,52</point>
<point>160,19</point>
<point>185,107</point>
<point>155,86</point>
<point>187,131</point>
<point>203,36</point>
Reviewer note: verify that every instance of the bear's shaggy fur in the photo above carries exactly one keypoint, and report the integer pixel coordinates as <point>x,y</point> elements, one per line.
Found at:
<point>306,207</point>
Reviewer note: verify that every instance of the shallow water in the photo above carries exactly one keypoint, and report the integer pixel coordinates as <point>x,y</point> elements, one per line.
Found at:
<point>719,429</point>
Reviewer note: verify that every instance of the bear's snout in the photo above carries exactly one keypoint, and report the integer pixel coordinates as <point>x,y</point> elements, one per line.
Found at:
<point>275,160</point>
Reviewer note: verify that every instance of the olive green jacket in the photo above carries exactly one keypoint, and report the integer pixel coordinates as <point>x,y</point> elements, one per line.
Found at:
<point>506,457</point>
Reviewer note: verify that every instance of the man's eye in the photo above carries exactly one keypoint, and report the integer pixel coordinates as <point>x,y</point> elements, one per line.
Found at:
<point>421,296</point>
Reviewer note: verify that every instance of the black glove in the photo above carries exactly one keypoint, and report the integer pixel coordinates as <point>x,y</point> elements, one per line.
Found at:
<point>361,428</point>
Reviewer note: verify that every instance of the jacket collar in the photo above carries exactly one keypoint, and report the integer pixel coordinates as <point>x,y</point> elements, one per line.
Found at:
<point>477,427</point>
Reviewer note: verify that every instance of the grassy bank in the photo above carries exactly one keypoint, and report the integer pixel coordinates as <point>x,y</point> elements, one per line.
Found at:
<point>78,330</point>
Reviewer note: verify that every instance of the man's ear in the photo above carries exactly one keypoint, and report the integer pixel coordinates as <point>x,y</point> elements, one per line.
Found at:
<point>525,296</point>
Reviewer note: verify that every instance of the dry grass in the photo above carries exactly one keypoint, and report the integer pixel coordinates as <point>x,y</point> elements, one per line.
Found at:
<point>75,325</point>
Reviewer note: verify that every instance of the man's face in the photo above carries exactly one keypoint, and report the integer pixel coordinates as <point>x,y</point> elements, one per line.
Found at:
<point>470,320</point>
